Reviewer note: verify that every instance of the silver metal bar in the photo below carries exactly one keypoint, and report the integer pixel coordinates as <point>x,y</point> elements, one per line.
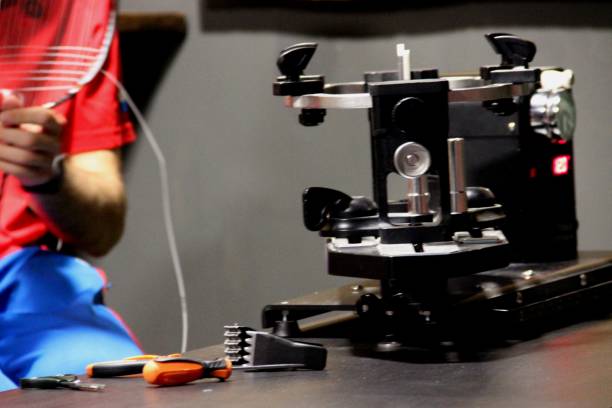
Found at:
<point>456,169</point>
<point>336,97</point>
<point>418,196</point>
<point>465,82</point>
<point>489,92</point>
<point>345,88</point>
<point>330,101</point>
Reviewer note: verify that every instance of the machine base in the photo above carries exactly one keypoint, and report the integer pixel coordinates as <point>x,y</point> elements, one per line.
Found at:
<point>521,295</point>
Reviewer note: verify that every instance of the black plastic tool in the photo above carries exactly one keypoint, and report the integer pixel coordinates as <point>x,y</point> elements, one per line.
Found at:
<point>256,351</point>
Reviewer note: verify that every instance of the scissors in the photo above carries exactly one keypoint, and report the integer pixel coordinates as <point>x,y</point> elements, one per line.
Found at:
<point>70,381</point>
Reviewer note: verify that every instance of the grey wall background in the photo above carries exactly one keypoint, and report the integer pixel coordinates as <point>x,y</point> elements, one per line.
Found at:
<point>238,160</point>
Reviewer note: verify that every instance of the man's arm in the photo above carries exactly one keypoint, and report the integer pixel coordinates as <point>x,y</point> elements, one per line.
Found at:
<point>89,208</point>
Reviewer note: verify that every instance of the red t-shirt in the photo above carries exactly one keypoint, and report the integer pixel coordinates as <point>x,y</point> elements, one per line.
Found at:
<point>96,121</point>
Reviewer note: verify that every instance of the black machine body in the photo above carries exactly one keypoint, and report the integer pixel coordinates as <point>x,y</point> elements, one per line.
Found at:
<point>487,162</point>
<point>522,149</point>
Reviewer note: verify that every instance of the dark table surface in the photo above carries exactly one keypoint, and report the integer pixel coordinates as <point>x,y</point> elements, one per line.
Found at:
<point>570,367</point>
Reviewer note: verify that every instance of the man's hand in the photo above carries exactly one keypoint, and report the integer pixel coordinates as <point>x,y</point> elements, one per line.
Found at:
<point>29,141</point>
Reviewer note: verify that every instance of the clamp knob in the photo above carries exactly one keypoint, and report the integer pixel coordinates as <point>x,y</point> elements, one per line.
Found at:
<point>319,203</point>
<point>321,206</point>
<point>293,60</point>
<point>514,50</point>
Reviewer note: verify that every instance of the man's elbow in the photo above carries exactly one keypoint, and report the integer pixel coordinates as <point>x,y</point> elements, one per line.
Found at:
<point>109,234</point>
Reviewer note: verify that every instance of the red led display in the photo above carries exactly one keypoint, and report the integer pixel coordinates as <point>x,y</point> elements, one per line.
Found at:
<point>560,165</point>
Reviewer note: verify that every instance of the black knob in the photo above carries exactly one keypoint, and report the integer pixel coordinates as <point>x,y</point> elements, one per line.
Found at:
<point>369,306</point>
<point>293,60</point>
<point>319,203</point>
<point>514,51</point>
<point>480,197</point>
<point>358,207</point>
<point>312,117</point>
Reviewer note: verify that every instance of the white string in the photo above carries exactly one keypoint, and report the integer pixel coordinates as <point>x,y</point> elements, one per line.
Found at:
<point>163,170</point>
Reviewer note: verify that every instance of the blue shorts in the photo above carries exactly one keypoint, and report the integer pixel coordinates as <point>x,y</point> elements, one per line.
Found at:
<point>52,320</point>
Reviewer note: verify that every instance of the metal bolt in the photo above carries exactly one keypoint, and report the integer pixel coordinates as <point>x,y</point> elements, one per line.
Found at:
<point>528,274</point>
<point>386,346</point>
<point>412,159</point>
<point>519,298</point>
<point>583,280</point>
<point>426,314</point>
<point>511,126</point>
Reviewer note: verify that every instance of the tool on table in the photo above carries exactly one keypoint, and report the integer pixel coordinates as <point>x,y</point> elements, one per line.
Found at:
<point>254,350</point>
<point>246,349</point>
<point>70,381</point>
<point>118,368</point>
<point>181,370</point>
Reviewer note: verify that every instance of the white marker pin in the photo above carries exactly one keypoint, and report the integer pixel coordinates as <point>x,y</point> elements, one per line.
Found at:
<point>403,55</point>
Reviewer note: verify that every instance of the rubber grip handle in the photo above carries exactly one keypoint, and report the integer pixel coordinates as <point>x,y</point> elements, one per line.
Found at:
<point>177,370</point>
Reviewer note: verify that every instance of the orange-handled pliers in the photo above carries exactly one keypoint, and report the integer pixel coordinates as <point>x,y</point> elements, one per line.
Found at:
<point>118,368</point>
